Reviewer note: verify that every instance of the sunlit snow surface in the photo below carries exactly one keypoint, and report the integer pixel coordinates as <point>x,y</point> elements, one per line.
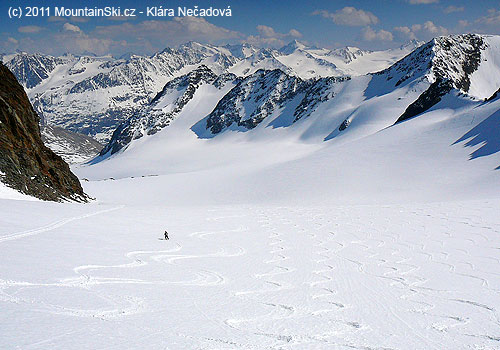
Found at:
<point>416,276</point>
<point>236,275</point>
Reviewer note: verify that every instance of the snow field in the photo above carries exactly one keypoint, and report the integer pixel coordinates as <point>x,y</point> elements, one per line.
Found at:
<point>419,276</point>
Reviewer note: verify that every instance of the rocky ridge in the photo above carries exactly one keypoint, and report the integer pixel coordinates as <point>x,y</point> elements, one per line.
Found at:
<point>26,164</point>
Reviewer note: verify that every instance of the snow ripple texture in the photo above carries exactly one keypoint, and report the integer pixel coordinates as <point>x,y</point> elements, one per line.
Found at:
<point>360,277</point>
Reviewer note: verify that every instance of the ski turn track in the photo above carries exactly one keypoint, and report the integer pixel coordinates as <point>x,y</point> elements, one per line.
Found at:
<point>277,278</point>
<point>55,225</point>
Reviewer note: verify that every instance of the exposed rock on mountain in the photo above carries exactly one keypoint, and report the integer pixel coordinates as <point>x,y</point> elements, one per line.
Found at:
<point>348,53</point>
<point>31,70</point>
<point>429,98</point>
<point>450,58</point>
<point>264,93</point>
<point>494,96</point>
<point>366,103</point>
<point>445,63</point>
<point>166,105</point>
<point>93,95</point>
<point>71,146</point>
<point>25,163</point>
<point>244,86</point>
<point>241,51</point>
<point>253,99</point>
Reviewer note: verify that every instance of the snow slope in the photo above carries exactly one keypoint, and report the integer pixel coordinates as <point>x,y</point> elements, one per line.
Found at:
<point>482,83</point>
<point>273,246</point>
<point>354,61</point>
<point>10,193</point>
<point>408,276</point>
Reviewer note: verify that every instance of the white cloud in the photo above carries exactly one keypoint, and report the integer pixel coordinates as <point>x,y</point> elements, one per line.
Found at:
<point>29,29</point>
<point>71,19</point>
<point>269,32</point>
<point>266,31</point>
<point>295,33</point>
<point>12,40</point>
<point>416,27</point>
<point>424,31</point>
<point>168,33</point>
<point>79,19</point>
<point>463,23</point>
<point>56,19</point>
<point>431,28</point>
<point>71,28</point>
<point>144,37</point>
<point>451,9</point>
<point>491,19</point>
<point>268,37</point>
<point>368,34</point>
<point>119,18</point>
<point>349,16</point>
<point>258,40</point>
<point>405,32</point>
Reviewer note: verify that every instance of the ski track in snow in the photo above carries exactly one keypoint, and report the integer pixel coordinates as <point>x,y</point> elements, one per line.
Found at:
<point>88,277</point>
<point>295,278</point>
<point>55,225</point>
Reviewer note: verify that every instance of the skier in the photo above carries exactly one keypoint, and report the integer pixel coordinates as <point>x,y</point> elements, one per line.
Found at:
<point>166,235</point>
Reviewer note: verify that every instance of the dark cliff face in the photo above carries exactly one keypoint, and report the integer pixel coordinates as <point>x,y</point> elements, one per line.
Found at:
<point>25,163</point>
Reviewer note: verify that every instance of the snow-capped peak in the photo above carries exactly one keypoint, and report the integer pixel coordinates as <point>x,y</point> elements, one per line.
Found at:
<point>241,51</point>
<point>291,47</point>
<point>197,47</point>
<point>412,44</point>
<point>348,53</point>
<point>453,59</point>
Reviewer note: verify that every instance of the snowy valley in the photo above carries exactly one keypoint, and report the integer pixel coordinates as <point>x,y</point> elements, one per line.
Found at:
<point>314,199</point>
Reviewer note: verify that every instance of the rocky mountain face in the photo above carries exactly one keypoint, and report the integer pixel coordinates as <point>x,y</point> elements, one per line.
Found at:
<point>94,95</point>
<point>253,99</point>
<point>31,70</point>
<point>166,105</point>
<point>249,101</point>
<point>263,93</point>
<point>348,53</point>
<point>446,63</point>
<point>451,58</point>
<point>71,146</point>
<point>25,163</point>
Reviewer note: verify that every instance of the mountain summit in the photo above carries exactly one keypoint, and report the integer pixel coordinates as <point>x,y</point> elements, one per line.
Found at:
<point>292,47</point>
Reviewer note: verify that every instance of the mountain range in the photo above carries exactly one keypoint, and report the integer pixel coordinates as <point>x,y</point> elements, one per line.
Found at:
<point>318,94</point>
<point>93,95</point>
<point>321,108</point>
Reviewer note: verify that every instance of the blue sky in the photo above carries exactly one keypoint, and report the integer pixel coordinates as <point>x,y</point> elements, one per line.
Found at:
<point>375,24</point>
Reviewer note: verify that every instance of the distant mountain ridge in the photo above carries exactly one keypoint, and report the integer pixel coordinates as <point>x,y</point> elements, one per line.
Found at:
<point>93,95</point>
<point>71,146</point>
<point>331,106</point>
